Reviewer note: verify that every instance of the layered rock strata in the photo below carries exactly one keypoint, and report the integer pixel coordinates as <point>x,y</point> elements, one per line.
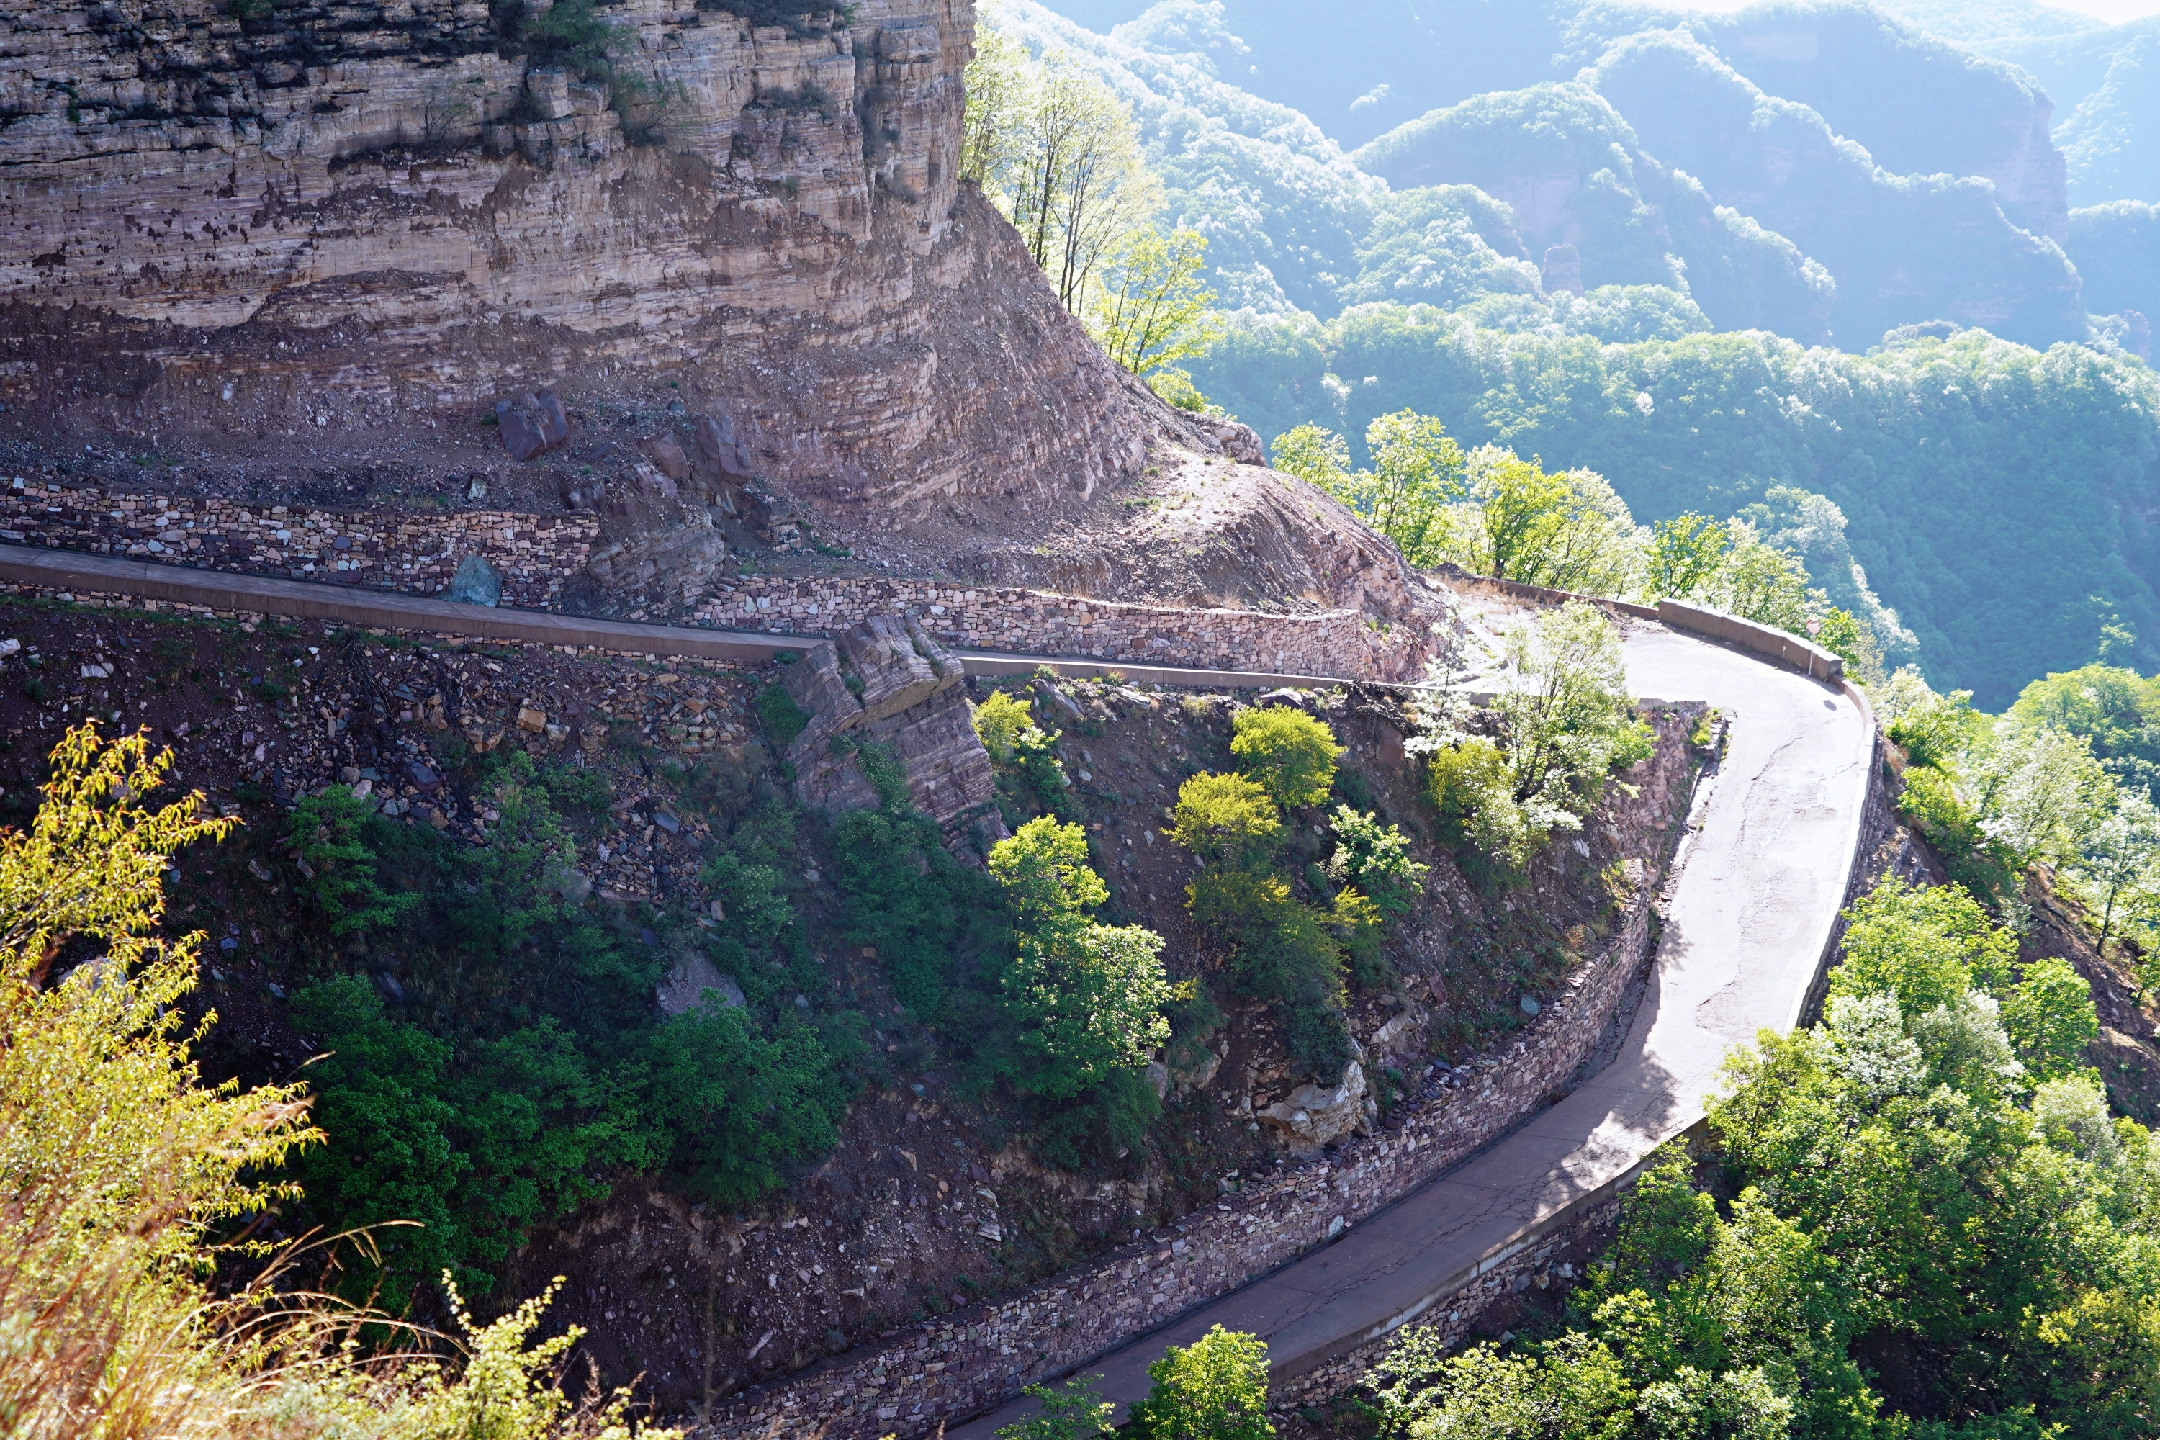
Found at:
<point>887,683</point>
<point>223,224</point>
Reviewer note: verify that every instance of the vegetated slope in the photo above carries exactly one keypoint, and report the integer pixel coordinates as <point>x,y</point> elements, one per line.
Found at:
<point>2116,248</point>
<point>1953,220</point>
<point>483,878</point>
<point>1572,173</point>
<point>1994,493</point>
<point>1918,104</point>
<point>1282,207</point>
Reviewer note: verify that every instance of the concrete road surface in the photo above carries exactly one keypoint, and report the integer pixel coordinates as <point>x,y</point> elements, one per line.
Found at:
<point>1760,883</point>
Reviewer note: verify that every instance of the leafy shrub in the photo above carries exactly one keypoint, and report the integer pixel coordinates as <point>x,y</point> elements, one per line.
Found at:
<point>1072,1411</point>
<point>1088,998</point>
<point>2050,1016</point>
<point>930,920</point>
<point>1289,753</point>
<point>1934,729</point>
<point>1212,1389</point>
<point>327,833</point>
<point>781,717</point>
<point>1376,858</point>
<point>1282,951</point>
<point>1030,776</point>
<point>570,34</point>
<point>1564,730</point>
<point>750,894</point>
<point>1224,818</point>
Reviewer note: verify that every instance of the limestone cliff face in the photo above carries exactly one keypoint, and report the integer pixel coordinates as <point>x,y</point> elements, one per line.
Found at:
<point>238,222</point>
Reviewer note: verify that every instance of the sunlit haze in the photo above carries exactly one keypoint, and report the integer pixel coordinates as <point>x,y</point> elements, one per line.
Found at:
<point>2114,12</point>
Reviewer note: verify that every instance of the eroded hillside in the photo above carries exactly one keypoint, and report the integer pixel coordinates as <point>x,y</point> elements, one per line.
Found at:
<point>604,856</point>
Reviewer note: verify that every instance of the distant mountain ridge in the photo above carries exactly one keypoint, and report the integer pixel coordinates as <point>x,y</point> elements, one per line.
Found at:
<point>1822,170</point>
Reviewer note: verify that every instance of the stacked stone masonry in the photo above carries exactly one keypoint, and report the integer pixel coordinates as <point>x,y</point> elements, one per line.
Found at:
<point>1340,644</point>
<point>1554,1259</point>
<point>534,554</point>
<point>946,1371</point>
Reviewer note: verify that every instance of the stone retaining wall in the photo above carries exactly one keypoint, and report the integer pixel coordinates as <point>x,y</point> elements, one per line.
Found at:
<point>1338,644</point>
<point>948,1370</point>
<point>1553,1259</point>
<point>534,554</point>
<point>537,554</point>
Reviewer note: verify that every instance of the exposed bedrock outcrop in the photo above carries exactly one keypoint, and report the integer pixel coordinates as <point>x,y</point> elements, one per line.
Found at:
<point>371,221</point>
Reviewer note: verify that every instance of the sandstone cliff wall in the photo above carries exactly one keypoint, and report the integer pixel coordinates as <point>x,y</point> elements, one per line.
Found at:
<point>234,226</point>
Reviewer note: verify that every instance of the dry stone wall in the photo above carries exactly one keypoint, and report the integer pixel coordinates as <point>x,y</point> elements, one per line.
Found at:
<point>1337,644</point>
<point>537,554</point>
<point>534,554</point>
<point>961,1366</point>
<point>1551,1259</point>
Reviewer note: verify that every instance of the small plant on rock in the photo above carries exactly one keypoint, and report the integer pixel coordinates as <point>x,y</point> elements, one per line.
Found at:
<point>1376,859</point>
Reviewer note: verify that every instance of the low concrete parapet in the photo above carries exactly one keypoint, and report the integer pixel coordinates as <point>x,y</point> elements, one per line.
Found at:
<point>1787,649</point>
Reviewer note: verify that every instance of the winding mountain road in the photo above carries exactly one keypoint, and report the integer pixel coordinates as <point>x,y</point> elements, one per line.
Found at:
<point>1760,879</point>
<point>1762,876</point>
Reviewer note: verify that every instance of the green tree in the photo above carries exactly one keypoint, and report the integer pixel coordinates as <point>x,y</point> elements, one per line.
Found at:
<point>1760,582</point>
<point>1889,1171</point>
<point>1151,306</point>
<point>1212,1389</point>
<point>1071,1411</point>
<point>1566,725</point>
<point>1067,170</point>
<point>2114,709</point>
<point>1685,554</point>
<point>2050,1018</point>
<point>2120,858</point>
<point>1417,475</point>
<point>1565,531</point>
<point>1088,998</point>
<point>1289,753</point>
<point>1024,757</point>
<point>1175,388</point>
<point>1312,453</point>
<point>998,81</point>
<point>1852,640</point>
<point>1044,871</point>
<point>1924,945</point>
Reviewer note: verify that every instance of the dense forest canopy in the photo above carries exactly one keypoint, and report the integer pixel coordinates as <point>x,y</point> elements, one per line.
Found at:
<point>1808,246</point>
<point>1992,492</point>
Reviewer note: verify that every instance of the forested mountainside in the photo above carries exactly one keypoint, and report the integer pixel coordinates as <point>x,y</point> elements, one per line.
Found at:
<point>1576,179</point>
<point>2101,77</point>
<point>1993,494</point>
<point>1917,176</point>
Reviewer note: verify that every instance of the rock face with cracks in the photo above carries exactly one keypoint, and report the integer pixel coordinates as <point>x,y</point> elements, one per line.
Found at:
<point>886,682</point>
<point>222,220</point>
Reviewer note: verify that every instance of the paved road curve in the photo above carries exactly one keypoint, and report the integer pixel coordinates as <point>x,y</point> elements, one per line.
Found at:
<point>1750,915</point>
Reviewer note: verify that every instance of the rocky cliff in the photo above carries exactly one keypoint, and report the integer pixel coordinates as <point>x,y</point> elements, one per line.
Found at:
<point>272,228</point>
